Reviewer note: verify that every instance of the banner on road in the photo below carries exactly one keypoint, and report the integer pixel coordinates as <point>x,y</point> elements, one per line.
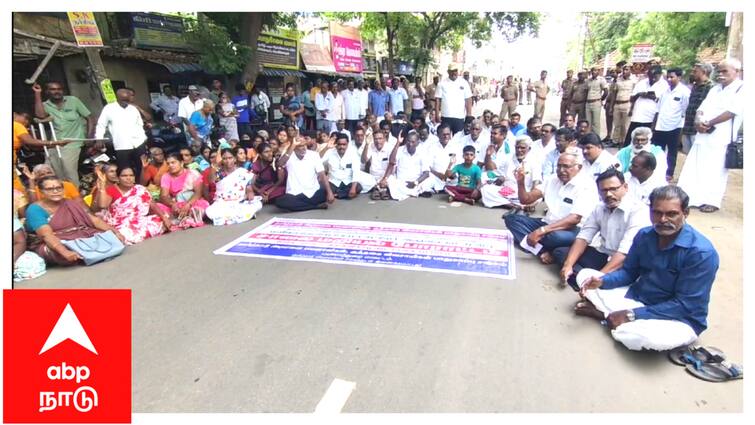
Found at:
<point>458,250</point>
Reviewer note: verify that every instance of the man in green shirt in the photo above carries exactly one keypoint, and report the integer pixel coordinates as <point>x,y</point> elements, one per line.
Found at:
<point>470,175</point>
<point>68,115</point>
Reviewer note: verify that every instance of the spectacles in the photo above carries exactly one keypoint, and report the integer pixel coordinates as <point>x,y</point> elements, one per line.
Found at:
<point>611,189</point>
<point>53,189</point>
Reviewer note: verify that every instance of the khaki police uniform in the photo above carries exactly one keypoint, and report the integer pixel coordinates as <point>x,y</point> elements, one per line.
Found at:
<point>621,106</point>
<point>593,104</point>
<point>541,92</point>
<point>578,97</point>
<point>510,95</point>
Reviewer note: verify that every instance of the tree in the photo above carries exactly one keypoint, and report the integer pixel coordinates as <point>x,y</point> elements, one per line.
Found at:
<point>605,30</point>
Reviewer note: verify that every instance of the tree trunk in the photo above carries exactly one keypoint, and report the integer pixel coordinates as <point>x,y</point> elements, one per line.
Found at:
<point>390,36</point>
<point>734,43</point>
<point>251,27</point>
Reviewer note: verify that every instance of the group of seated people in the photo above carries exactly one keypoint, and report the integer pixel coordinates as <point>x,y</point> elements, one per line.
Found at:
<point>651,284</point>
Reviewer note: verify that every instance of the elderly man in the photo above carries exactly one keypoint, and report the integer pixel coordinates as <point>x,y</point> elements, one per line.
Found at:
<point>641,137</point>
<point>642,178</point>
<point>186,107</point>
<point>376,158</point>
<point>453,100</point>
<point>410,170</point>
<point>719,118</point>
<point>501,189</point>
<point>565,138</point>
<point>307,186</point>
<point>342,168</point>
<point>597,159</point>
<point>645,96</point>
<point>478,139</point>
<point>658,299</point>
<point>702,84</point>
<point>510,96</point>
<point>68,115</point>
<point>616,220</point>
<point>570,196</point>
<point>124,123</point>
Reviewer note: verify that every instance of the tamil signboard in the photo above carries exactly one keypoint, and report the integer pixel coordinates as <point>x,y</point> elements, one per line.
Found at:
<point>317,58</point>
<point>154,30</point>
<point>642,53</point>
<point>346,46</point>
<point>278,50</point>
<point>85,29</point>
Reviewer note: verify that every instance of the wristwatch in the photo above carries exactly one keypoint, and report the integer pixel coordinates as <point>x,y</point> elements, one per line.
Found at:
<point>630,315</point>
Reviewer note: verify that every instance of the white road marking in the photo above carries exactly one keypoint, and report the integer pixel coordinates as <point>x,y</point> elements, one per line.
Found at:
<point>336,396</point>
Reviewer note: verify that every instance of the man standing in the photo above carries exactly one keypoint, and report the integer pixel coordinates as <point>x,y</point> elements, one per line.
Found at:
<point>217,89</point>
<point>430,93</point>
<point>309,109</point>
<point>702,84</point>
<point>324,104</point>
<point>307,186</point>
<point>645,100</point>
<point>670,118</point>
<point>718,120</point>
<point>352,105</point>
<point>520,86</point>
<point>510,95</point>
<point>610,102</point>
<point>261,103</point>
<point>453,100</point>
<point>597,91</point>
<point>617,219</point>
<point>167,103</point>
<point>186,108</point>
<point>418,99</point>
<point>124,123</point>
<point>566,87</point>
<point>68,117</point>
<point>364,94</point>
<point>378,100</point>
<point>658,299</point>
<point>541,89</point>
<point>398,96</point>
<point>241,102</point>
<point>578,96</point>
<point>622,93</point>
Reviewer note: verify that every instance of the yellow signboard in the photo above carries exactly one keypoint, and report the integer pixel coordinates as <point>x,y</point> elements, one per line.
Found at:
<point>107,91</point>
<point>85,29</point>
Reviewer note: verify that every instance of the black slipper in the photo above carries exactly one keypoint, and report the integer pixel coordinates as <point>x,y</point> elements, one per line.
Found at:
<point>716,372</point>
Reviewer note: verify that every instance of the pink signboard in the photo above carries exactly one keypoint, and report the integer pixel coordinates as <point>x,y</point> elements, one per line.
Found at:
<point>346,47</point>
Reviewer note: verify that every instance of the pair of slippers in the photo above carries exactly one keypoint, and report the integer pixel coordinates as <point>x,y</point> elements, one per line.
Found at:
<point>707,363</point>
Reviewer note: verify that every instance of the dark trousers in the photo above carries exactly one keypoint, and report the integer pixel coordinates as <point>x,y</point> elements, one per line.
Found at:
<point>632,126</point>
<point>342,191</point>
<point>300,202</point>
<point>245,128</point>
<point>456,124</point>
<point>669,142</point>
<point>130,158</point>
<point>521,226</point>
<point>351,125</point>
<point>590,259</point>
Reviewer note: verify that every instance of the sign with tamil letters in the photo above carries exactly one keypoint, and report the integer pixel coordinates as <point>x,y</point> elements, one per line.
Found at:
<point>642,53</point>
<point>278,50</point>
<point>85,29</point>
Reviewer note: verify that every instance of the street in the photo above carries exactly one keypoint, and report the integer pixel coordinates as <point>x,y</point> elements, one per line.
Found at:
<point>232,334</point>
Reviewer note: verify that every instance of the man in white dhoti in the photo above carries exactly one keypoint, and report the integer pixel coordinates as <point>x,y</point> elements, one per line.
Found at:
<point>342,168</point>
<point>658,299</point>
<point>412,169</point>
<point>501,189</point>
<point>375,158</point>
<point>718,120</point>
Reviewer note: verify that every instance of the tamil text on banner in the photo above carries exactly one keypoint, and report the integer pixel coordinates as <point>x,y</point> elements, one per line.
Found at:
<point>459,250</point>
<point>155,30</point>
<point>85,29</point>
<point>346,46</point>
<point>642,53</point>
<point>278,50</point>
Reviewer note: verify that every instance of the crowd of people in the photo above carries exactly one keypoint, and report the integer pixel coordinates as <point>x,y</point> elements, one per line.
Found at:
<point>612,223</point>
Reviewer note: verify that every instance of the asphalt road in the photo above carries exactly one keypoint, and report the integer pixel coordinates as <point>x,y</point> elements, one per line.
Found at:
<point>233,334</point>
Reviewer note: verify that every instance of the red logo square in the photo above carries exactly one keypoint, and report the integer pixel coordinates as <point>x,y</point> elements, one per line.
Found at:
<point>67,356</point>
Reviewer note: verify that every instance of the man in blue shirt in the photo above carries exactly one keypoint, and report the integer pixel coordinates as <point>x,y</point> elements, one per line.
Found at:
<point>377,100</point>
<point>659,298</point>
<point>241,102</point>
<point>515,127</point>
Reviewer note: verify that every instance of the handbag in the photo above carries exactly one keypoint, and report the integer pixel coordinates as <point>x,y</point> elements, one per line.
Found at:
<point>100,247</point>
<point>735,155</point>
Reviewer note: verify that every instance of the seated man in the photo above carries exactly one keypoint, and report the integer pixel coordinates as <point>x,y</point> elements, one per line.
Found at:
<point>469,174</point>
<point>565,137</point>
<point>153,169</point>
<point>479,139</point>
<point>597,159</point>
<point>515,127</point>
<point>410,170</point>
<point>570,197</point>
<point>357,143</point>
<point>642,178</point>
<point>641,143</point>
<point>376,158</point>
<point>658,299</point>
<point>341,128</point>
<point>307,186</point>
<point>617,219</point>
<point>441,152</point>
<point>502,190</point>
<point>342,167</point>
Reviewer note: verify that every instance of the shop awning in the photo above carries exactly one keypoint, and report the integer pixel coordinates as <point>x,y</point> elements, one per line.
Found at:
<point>178,67</point>
<point>270,72</point>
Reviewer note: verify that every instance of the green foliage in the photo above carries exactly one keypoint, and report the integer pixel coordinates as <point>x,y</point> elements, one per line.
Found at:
<point>678,37</point>
<point>605,31</point>
<point>219,54</point>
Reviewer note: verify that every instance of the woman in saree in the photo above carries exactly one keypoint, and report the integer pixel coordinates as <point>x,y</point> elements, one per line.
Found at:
<point>53,219</point>
<point>241,159</point>
<point>181,195</point>
<point>129,208</point>
<point>267,182</point>
<point>234,200</point>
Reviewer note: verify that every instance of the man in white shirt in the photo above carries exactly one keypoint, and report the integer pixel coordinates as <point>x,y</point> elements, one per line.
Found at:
<point>565,138</point>
<point>124,123</point>
<point>337,111</point>
<point>453,100</point>
<point>440,152</point>
<point>547,142</point>
<point>376,160</point>
<point>502,189</point>
<point>570,197</point>
<point>260,103</point>
<point>352,105</point>
<point>307,186</point>
<point>644,100</point>
<point>398,95</point>
<point>642,178</point>
<point>364,96</point>
<point>341,129</point>
<point>324,105</point>
<point>410,171</point>
<point>616,220</point>
<point>357,143</point>
<point>670,118</point>
<point>186,107</point>
<point>479,139</point>
<point>167,103</point>
<point>597,159</point>
<point>342,167</point>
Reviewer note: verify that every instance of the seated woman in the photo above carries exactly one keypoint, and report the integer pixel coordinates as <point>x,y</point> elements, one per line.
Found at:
<point>110,174</point>
<point>266,181</point>
<point>241,160</point>
<point>54,218</point>
<point>234,199</point>
<point>181,195</point>
<point>41,171</point>
<point>129,208</point>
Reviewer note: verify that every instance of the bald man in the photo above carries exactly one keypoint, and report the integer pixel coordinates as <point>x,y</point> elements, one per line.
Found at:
<point>124,123</point>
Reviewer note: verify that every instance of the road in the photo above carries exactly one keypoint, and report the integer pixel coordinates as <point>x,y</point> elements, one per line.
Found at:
<point>232,334</point>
